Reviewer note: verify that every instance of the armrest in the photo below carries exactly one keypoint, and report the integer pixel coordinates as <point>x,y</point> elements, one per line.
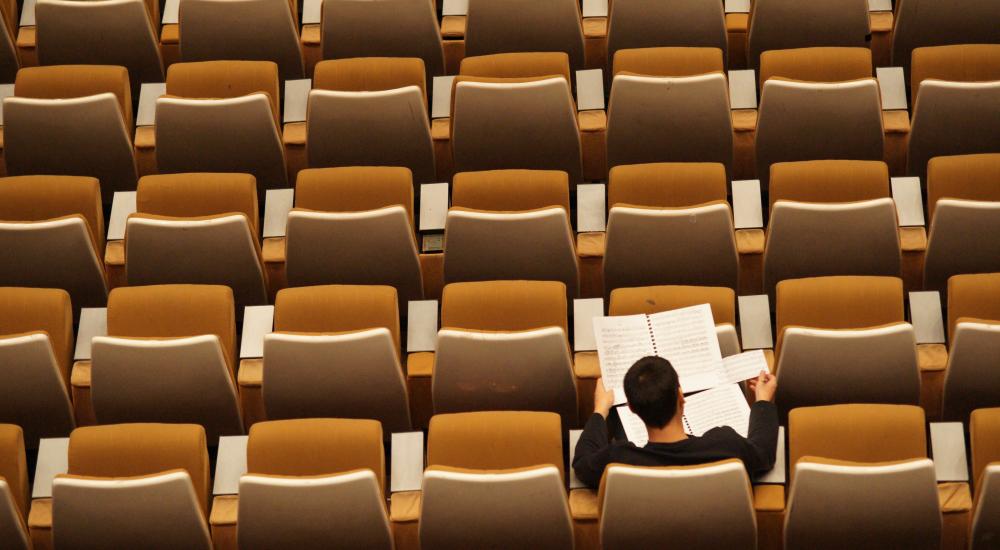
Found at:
<point>80,375</point>
<point>932,357</point>
<point>742,89</point>
<point>297,95</point>
<point>737,6</point>
<point>93,322</point>
<point>590,245</point>
<point>257,321</point>
<point>170,11</point>
<point>420,364</point>
<point>149,92</point>
<point>251,373</point>
<point>755,322</point>
<point>122,205</point>
<point>404,507</point>
<point>6,90</point>
<point>768,498</point>
<point>747,209</point>
<point>583,504</point>
<point>272,250</point>
<point>777,474</point>
<point>40,516</point>
<point>595,8</point>
<point>909,205</point>
<point>584,311</point>
<point>750,241</point>
<point>948,451</point>
<point>230,465</point>
<point>892,85</point>
<point>433,206</point>
<point>277,204</point>
<point>574,482</point>
<point>586,365</point>
<point>422,325</point>
<point>912,239</point>
<point>311,12</point>
<point>954,497</point>
<point>926,317</point>
<point>224,510</point>
<point>53,459</point>
<point>27,14</point>
<point>590,90</point>
<point>590,207</point>
<point>407,462</point>
<point>441,96</point>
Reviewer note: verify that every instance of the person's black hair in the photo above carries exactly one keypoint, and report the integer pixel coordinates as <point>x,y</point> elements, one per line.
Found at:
<point>651,386</point>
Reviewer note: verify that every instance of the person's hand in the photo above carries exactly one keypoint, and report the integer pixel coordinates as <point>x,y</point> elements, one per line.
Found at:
<point>604,399</point>
<point>764,386</point>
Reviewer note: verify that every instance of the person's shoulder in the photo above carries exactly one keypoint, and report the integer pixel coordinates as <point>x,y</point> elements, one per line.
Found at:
<point>721,433</point>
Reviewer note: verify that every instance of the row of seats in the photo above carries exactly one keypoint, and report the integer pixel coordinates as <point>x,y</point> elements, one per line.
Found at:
<point>496,479</point>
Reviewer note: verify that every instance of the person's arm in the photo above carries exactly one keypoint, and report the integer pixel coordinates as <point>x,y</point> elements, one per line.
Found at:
<point>762,435</point>
<point>593,453</point>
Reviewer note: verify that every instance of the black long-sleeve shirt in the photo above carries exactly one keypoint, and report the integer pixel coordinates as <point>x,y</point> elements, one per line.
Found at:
<point>757,451</point>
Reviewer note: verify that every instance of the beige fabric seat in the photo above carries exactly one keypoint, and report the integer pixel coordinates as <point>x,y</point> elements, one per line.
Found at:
<point>335,352</point>
<point>515,124</point>
<point>649,24</point>
<point>314,483</point>
<point>816,64</point>
<point>73,120</point>
<point>670,120</point>
<point>13,489</point>
<point>354,226</point>
<point>920,23</point>
<point>133,485</point>
<point>222,116</point>
<point>197,228</point>
<point>510,224</point>
<point>984,435</point>
<point>668,61</point>
<point>52,236</point>
<point>692,507</point>
<point>956,63</point>
<point>830,218</point>
<point>525,26</point>
<point>169,357</point>
<point>36,342</point>
<point>971,380</point>
<point>104,32</point>
<point>784,24</point>
<point>213,30</point>
<point>371,112</point>
<point>384,28</point>
<point>813,121</point>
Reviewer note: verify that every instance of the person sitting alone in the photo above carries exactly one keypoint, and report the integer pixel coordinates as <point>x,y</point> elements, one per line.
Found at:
<point>654,394</point>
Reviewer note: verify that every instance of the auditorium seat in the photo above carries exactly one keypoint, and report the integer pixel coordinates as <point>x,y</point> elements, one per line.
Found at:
<point>816,64</point>
<point>784,24</point>
<point>131,485</point>
<point>36,347</point>
<point>963,199</point>
<point>832,217</point>
<point>504,345</point>
<point>168,357</point>
<point>222,116</point>
<point>13,489</point>
<point>495,479</point>
<point>651,24</point>
<point>354,226</point>
<point>511,224</point>
<point>73,120</point>
<point>507,26</point>
<point>52,236</point>
<point>370,111</point>
<point>335,352</point>
<point>707,506</point>
<point>921,23</point>
<point>387,28</point>
<point>984,435</point>
<point>956,63</point>
<point>684,200</point>
<point>972,379</point>
<point>197,228</point>
<point>312,484</point>
<point>103,32</point>
<point>668,61</point>
<point>247,30</point>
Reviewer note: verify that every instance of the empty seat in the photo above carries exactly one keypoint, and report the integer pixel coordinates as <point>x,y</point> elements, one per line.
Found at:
<point>197,228</point>
<point>814,121</point>
<point>817,64</point>
<point>956,63</point>
<point>335,352</point>
<point>384,28</point>
<point>36,341</point>
<point>684,200</point>
<point>510,224</point>
<point>692,507</point>
<point>370,112</point>
<point>984,435</point>
<point>830,218</point>
<point>963,199</point>
<point>73,120</point>
<point>784,24</point>
<point>13,489</point>
<point>653,119</point>
<point>222,116</point>
<point>504,346</point>
<point>52,236</point>
<point>101,32</point>
<point>972,380</point>
<point>524,26</point>
<point>169,357</point>
<point>133,485</point>
<point>249,30</point>
<point>314,483</point>
<point>649,24</point>
<point>937,22</point>
<point>354,226</point>
<point>671,61</point>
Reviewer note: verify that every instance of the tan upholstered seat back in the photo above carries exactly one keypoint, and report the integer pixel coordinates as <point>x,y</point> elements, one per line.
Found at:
<point>932,23</point>
<point>504,305</point>
<point>957,63</point>
<point>13,466</point>
<point>337,308</point>
<point>973,296</point>
<point>370,74</point>
<point>40,309</point>
<point>830,64</point>
<point>829,181</point>
<point>516,65</point>
<point>784,24</point>
<point>667,184</point>
<point>654,299</point>
<point>127,450</point>
<point>668,61</point>
<point>969,177</point>
<point>984,439</point>
<point>38,198</point>
<point>68,81</point>
<point>225,79</point>
<point>648,23</point>
<point>316,446</point>
<point>510,190</point>
<point>354,189</point>
<point>199,194</point>
<point>525,26</point>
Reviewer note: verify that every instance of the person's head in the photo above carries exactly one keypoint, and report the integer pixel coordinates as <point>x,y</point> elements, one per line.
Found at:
<point>653,391</point>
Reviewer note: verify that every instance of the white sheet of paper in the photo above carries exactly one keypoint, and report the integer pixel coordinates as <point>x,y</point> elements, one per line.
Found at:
<point>892,86</point>
<point>686,337</point>
<point>720,406</point>
<point>441,96</point>
<point>53,459</point>
<point>590,207</point>
<point>926,316</point>
<point>744,366</point>
<point>755,322</point>
<point>93,322</point>
<point>747,209</point>
<point>948,445</point>
<point>455,7</point>
<point>230,465</point>
<point>28,14</point>
<point>584,312</point>
<point>122,205</point>
<point>170,10</point>
<point>909,202</point>
<point>149,92</point>
<point>311,12</point>
<point>574,482</point>
<point>635,429</point>
<point>621,341</point>
<point>277,204</point>
<point>296,99</point>
<point>6,90</point>
<point>590,90</point>
<point>257,321</point>
<point>422,325</point>
<point>407,466</point>
<point>743,89</point>
<point>433,206</point>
